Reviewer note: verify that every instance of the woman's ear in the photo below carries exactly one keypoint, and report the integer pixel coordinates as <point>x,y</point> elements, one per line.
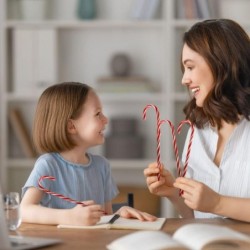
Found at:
<point>71,129</point>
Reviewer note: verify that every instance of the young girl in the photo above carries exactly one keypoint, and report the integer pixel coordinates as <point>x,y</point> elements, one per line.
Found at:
<point>68,121</point>
<point>216,70</point>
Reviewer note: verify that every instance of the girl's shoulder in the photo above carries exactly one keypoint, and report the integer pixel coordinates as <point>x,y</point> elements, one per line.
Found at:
<point>47,160</point>
<point>47,157</point>
<point>45,164</point>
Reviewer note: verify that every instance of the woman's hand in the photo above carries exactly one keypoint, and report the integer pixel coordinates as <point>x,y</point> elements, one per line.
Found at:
<point>163,186</point>
<point>85,215</point>
<point>197,195</point>
<point>129,212</point>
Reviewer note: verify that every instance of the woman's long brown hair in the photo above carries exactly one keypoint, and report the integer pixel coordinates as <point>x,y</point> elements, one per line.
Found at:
<point>225,46</point>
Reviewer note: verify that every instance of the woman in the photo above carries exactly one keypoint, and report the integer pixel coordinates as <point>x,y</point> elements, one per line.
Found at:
<point>216,70</point>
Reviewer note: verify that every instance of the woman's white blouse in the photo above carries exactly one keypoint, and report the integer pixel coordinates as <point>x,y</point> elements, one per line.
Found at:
<point>232,177</point>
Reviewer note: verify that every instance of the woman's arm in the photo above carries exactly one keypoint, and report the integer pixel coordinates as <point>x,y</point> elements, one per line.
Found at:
<point>32,212</point>
<point>234,208</point>
<point>200,197</point>
<point>164,188</point>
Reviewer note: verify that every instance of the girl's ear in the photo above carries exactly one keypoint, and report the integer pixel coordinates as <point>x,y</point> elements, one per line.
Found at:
<point>71,127</point>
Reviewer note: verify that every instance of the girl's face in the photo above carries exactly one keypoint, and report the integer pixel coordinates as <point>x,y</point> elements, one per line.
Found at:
<point>89,126</point>
<point>197,75</point>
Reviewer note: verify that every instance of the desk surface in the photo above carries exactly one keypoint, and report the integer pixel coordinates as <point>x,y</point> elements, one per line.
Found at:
<point>98,239</point>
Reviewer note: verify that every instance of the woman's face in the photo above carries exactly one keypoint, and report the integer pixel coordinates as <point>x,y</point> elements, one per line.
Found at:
<point>197,75</point>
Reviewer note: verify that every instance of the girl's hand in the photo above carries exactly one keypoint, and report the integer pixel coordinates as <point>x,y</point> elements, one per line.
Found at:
<point>85,215</point>
<point>163,186</point>
<point>129,212</point>
<point>197,195</point>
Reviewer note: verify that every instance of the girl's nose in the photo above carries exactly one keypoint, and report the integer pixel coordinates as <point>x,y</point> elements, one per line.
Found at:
<point>105,119</point>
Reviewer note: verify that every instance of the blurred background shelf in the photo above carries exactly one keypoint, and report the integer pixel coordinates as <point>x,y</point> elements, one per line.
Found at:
<point>62,46</point>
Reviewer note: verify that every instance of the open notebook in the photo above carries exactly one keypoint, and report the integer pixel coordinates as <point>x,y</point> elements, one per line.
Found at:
<point>122,223</point>
<point>19,242</point>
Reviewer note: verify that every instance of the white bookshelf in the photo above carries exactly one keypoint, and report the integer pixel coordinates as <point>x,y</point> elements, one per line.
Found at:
<point>83,51</point>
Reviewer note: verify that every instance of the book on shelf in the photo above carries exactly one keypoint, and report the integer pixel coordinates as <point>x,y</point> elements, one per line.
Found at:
<point>190,236</point>
<point>180,9</point>
<point>138,9</point>
<point>145,9</point>
<point>191,10</point>
<point>214,8</point>
<point>122,223</point>
<point>152,9</point>
<point>203,9</point>
<point>124,84</point>
<point>19,127</point>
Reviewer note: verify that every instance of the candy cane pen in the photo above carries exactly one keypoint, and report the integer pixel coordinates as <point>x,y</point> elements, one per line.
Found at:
<point>174,144</point>
<point>183,173</point>
<point>52,178</point>
<point>158,131</point>
<point>189,144</point>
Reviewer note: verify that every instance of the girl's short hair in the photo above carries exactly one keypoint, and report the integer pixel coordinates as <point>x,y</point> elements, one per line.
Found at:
<point>57,104</point>
<point>225,46</point>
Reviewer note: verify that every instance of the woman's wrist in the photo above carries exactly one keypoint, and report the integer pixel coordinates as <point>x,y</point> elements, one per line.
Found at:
<point>217,207</point>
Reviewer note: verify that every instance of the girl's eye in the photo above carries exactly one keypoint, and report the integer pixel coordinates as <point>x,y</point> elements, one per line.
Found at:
<point>99,114</point>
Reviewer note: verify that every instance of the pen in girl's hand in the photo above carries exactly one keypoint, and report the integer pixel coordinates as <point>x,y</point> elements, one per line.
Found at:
<point>114,218</point>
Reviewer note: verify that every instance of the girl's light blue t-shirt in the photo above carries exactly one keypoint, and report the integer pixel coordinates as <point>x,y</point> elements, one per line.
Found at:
<point>76,181</point>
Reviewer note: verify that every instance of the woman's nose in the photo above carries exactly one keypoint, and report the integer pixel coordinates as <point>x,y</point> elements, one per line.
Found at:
<point>185,80</point>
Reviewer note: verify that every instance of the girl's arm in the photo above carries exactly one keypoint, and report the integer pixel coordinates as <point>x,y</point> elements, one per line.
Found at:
<point>129,212</point>
<point>200,197</point>
<point>32,212</point>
